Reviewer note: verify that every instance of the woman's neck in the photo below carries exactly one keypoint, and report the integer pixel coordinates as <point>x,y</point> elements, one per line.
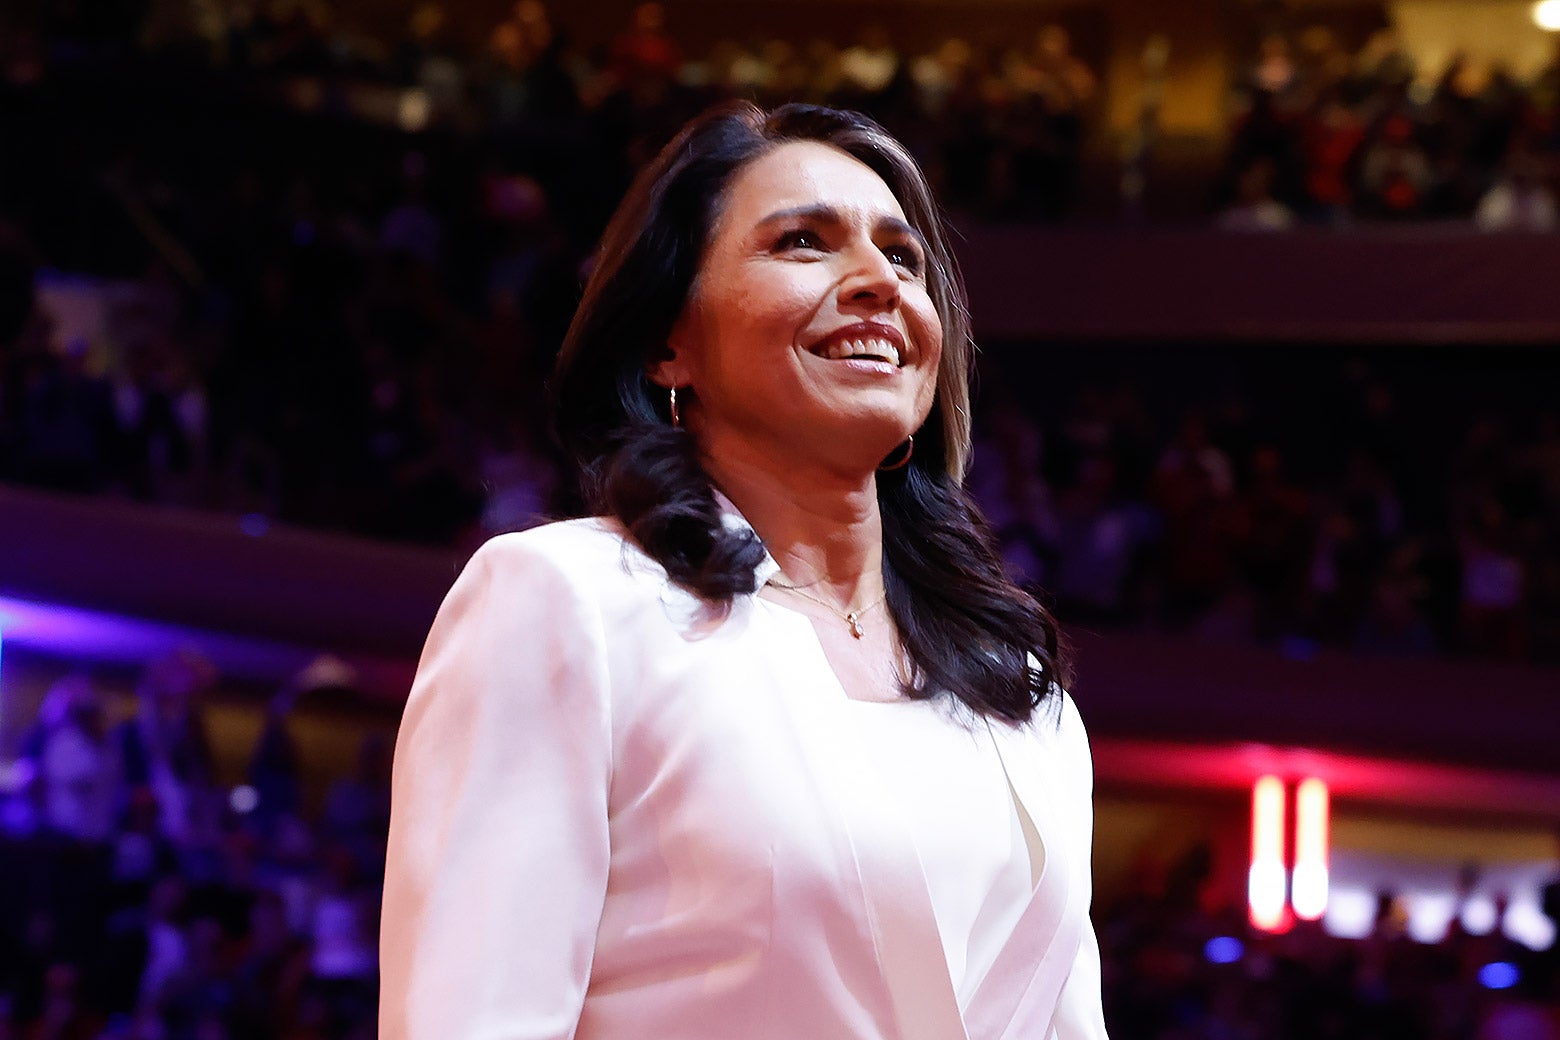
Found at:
<point>822,528</point>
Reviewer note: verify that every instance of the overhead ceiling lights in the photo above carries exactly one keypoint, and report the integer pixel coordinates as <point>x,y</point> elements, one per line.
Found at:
<point>1546,15</point>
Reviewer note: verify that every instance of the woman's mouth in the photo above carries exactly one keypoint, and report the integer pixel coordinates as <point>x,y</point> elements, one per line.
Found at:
<point>864,349</point>
<point>873,343</point>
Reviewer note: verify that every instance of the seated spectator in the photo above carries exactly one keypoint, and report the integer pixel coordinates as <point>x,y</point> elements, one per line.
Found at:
<point>645,50</point>
<point>357,805</point>
<point>1493,583</point>
<point>1100,538</point>
<point>1255,208</point>
<point>1384,65</point>
<point>141,852</point>
<point>160,410</point>
<point>1519,200</point>
<point>270,967</point>
<point>167,945</point>
<point>164,746</point>
<point>273,767</point>
<point>1006,476</point>
<point>77,768</point>
<point>411,228</point>
<point>344,968</point>
<point>62,428</point>
<point>1394,621</point>
<point>1333,135</point>
<point>1395,174</point>
<point>1276,539</point>
<point>1274,72</point>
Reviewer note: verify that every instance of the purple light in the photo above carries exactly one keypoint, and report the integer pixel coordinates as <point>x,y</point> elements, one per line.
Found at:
<point>1499,975</point>
<point>1224,949</point>
<point>90,635</point>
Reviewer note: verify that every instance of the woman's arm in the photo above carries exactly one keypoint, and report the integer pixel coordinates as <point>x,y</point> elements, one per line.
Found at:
<point>498,853</point>
<point>1079,1012</point>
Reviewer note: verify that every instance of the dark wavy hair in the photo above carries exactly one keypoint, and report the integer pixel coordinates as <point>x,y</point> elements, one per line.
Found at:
<point>967,629</point>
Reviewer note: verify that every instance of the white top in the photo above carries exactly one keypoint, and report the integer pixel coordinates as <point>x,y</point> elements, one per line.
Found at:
<point>620,812</point>
<point>944,768</point>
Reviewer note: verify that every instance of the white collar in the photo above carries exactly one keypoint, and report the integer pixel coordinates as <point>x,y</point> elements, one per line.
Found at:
<point>732,519</point>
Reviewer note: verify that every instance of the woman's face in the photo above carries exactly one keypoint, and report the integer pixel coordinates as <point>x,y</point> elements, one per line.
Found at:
<point>809,335</point>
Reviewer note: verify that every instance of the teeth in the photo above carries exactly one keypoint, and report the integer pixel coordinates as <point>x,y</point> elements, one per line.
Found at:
<point>877,348</point>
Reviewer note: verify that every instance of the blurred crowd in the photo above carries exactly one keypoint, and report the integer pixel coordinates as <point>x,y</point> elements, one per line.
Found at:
<point>1301,499</point>
<point>1324,132</point>
<point>1181,964</point>
<point>1327,137</point>
<point>1000,129</point>
<point>308,313</point>
<point>1304,497</point>
<point>318,319</point>
<point>142,897</point>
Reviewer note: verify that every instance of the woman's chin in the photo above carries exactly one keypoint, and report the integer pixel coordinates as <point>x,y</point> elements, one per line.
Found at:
<point>862,445</point>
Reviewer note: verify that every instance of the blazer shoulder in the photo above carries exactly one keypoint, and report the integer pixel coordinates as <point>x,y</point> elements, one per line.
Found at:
<point>1057,727</point>
<point>588,554</point>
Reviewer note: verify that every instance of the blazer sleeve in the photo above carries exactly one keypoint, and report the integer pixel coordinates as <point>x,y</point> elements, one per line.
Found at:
<point>1080,1013</point>
<point>496,868</point>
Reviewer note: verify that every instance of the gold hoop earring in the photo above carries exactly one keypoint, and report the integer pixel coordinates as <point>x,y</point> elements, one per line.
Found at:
<point>676,414</point>
<point>903,460</point>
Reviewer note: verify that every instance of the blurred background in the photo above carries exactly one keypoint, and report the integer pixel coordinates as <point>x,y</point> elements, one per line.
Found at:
<point>1268,295</point>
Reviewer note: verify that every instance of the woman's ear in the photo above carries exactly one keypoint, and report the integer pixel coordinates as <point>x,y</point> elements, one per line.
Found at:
<point>671,366</point>
<point>667,372</point>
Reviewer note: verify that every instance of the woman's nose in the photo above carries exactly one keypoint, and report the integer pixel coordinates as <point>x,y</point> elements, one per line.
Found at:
<point>870,279</point>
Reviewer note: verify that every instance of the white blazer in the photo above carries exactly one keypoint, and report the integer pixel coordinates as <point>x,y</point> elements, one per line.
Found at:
<point>622,814</point>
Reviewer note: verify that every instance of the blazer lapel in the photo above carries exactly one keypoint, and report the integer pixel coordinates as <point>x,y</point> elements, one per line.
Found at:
<point>1018,996</point>
<point>893,886</point>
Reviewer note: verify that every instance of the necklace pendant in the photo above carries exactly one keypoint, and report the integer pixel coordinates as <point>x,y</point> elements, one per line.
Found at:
<point>855,624</point>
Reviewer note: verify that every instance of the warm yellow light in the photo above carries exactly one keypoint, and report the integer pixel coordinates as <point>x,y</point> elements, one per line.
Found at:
<point>1309,888</point>
<point>1546,15</point>
<point>1268,881</point>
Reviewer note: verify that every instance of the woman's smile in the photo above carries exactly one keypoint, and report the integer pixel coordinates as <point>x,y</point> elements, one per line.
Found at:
<point>864,342</point>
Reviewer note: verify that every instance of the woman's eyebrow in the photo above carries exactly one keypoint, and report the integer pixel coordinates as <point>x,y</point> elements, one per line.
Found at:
<point>897,226</point>
<point>815,211</point>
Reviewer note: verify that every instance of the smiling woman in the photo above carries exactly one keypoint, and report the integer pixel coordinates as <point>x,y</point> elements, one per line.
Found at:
<point>770,748</point>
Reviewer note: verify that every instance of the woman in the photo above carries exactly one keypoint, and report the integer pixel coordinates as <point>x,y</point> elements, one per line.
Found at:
<point>772,749</point>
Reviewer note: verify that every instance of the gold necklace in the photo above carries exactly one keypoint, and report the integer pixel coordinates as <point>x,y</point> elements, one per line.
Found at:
<point>852,617</point>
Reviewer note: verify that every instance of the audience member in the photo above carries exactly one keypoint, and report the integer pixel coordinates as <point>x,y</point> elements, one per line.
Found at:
<point>1519,200</point>
<point>77,772</point>
<point>164,746</point>
<point>1255,208</point>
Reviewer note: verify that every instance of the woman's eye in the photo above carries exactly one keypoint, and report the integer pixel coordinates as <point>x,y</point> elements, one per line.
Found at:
<point>799,239</point>
<point>904,256</point>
